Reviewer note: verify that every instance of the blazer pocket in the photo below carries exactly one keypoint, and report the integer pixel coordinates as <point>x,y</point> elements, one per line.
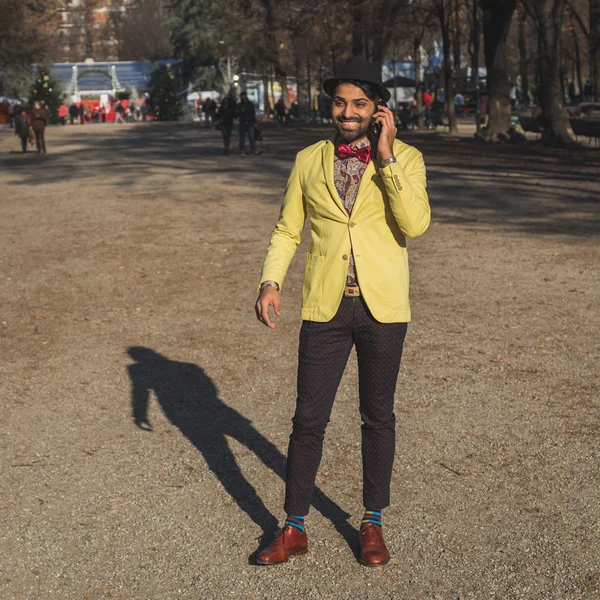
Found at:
<point>312,290</point>
<point>394,278</point>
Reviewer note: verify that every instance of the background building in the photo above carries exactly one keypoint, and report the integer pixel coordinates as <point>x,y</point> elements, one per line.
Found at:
<point>88,29</point>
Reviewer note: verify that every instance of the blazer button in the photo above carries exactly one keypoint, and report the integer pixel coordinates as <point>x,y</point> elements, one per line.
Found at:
<point>352,224</point>
<point>345,257</point>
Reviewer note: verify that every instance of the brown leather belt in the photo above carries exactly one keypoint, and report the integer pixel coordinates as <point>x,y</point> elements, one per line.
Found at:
<point>352,291</point>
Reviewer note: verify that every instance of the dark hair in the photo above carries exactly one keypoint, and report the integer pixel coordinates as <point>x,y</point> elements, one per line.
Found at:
<point>370,90</point>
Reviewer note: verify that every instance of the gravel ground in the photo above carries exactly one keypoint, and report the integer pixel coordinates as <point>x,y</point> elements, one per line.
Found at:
<point>129,258</point>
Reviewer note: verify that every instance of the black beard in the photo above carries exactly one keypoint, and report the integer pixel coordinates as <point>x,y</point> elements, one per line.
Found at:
<point>347,137</point>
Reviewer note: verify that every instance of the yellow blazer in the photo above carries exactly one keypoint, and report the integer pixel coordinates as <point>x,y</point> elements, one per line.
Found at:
<point>391,205</point>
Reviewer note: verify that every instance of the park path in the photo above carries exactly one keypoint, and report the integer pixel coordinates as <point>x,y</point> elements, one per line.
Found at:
<point>129,259</point>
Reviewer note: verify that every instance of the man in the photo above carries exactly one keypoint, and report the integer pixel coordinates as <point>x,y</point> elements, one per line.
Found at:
<point>119,112</point>
<point>280,111</point>
<point>212,112</point>
<point>73,113</point>
<point>225,116</point>
<point>205,107</point>
<point>246,114</point>
<point>22,128</point>
<point>364,194</point>
<point>39,119</point>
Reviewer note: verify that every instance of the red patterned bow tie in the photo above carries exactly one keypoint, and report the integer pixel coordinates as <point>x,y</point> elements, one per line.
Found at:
<point>345,151</point>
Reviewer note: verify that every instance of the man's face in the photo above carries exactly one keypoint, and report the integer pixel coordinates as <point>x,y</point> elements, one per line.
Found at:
<point>351,112</point>
<point>37,106</point>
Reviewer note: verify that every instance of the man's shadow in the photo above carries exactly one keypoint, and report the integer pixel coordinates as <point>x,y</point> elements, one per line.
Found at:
<point>190,400</point>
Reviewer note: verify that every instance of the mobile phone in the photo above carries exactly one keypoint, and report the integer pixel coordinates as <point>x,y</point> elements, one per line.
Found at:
<point>375,126</point>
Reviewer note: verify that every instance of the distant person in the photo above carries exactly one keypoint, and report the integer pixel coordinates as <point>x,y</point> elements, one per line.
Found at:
<point>588,91</point>
<point>63,113</point>
<point>459,103</point>
<point>119,112</point>
<point>81,112</point>
<point>103,114</point>
<point>246,114</point>
<point>427,99</point>
<point>483,108</point>
<point>22,128</point>
<point>571,92</point>
<point>280,111</point>
<point>73,113</point>
<point>14,110</point>
<point>205,113</point>
<point>212,112</point>
<point>513,94</point>
<point>39,120</point>
<point>225,116</point>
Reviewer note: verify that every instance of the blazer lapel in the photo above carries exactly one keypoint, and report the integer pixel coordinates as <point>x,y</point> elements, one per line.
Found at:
<point>366,186</point>
<point>328,156</point>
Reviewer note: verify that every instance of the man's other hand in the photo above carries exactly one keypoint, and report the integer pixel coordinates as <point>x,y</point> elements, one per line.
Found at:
<point>269,296</point>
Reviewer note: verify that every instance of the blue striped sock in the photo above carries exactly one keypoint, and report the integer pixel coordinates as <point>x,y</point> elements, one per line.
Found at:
<point>295,521</point>
<point>371,516</point>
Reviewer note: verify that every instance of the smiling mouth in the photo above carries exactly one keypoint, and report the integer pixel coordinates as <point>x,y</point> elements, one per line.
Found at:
<point>349,124</point>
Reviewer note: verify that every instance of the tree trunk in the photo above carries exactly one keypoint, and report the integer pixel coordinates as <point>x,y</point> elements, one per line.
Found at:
<point>577,62</point>
<point>563,80</point>
<point>377,47</point>
<point>358,25</point>
<point>594,44</point>
<point>418,91</point>
<point>549,15</point>
<point>456,50</point>
<point>476,38</point>
<point>523,60</point>
<point>302,82</point>
<point>265,81</point>
<point>448,79</point>
<point>497,15</point>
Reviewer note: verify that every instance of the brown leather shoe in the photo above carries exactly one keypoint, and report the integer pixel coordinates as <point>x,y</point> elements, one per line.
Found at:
<point>289,541</point>
<point>373,551</point>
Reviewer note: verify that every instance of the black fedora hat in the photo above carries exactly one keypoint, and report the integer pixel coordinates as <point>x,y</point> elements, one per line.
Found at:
<point>360,69</point>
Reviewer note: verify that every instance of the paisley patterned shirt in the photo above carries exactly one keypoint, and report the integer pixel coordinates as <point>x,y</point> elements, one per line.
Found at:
<point>347,174</point>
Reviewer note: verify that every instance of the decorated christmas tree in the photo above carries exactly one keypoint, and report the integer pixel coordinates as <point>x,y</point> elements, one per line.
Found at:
<point>46,91</point>
<point>164,99</point>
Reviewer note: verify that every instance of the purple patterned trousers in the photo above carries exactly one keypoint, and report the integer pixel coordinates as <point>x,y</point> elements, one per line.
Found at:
<point>322,357</point>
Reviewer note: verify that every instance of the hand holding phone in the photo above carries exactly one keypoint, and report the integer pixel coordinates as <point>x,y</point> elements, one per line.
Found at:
<point>375,124</point>
<point>384,131</point>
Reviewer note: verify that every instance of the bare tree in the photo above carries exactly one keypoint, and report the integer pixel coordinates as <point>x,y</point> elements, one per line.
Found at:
<point>442,10</point>
<point>594,45</point>
<point>374,24</point>
<point>497,16</point>
<point>26,30</point>
<point>141,33</point>
<point>548,18</point>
